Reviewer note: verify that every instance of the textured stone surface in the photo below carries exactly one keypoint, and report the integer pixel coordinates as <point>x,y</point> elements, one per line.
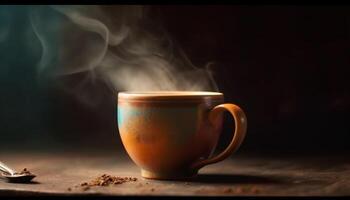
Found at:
<point>242,175</point>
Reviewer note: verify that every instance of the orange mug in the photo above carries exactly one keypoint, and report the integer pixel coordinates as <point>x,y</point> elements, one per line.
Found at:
<point>172,134</point>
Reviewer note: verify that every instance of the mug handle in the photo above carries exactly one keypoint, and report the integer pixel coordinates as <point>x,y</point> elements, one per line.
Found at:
<point>238,137</point>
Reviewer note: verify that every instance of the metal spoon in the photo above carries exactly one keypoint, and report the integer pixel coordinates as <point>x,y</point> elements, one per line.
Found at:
<point>14,177</point>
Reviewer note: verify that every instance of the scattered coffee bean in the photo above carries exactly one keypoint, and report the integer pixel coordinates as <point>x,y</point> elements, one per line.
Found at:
<point>106,180</point>
<point>84,184</point>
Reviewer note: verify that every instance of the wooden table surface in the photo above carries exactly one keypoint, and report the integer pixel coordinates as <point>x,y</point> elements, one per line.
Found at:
<point>239,176</point>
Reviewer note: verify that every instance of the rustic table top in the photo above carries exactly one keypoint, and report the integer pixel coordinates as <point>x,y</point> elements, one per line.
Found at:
<point>62,174</point>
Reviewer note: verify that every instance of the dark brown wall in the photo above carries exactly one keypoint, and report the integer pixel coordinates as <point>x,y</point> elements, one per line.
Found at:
<point>286,66</point>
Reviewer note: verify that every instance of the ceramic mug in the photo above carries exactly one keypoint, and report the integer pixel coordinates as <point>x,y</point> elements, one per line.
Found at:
<point>171,135</point>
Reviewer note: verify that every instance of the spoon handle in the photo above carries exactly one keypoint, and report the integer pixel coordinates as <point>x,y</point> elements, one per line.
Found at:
<point>2,171</point>
<point>6,169</point>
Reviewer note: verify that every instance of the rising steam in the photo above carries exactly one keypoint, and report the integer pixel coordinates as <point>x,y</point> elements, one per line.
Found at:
<point>119,45</point>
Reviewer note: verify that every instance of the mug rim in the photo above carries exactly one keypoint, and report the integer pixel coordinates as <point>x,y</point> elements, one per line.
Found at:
<point>169,95</point>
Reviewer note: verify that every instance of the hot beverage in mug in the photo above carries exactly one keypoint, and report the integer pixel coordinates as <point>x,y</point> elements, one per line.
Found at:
<point>171,135</point>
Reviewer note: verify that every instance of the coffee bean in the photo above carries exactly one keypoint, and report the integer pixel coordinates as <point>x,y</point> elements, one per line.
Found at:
<point>106,180</point>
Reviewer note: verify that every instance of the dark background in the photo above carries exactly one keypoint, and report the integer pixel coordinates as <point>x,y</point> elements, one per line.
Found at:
<point>286,66</point>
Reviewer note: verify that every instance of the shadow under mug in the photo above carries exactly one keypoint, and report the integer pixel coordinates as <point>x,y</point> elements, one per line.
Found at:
<point>171,135</point>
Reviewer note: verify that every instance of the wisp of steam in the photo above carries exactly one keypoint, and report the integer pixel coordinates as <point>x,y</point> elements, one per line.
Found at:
<point>119,45</point>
